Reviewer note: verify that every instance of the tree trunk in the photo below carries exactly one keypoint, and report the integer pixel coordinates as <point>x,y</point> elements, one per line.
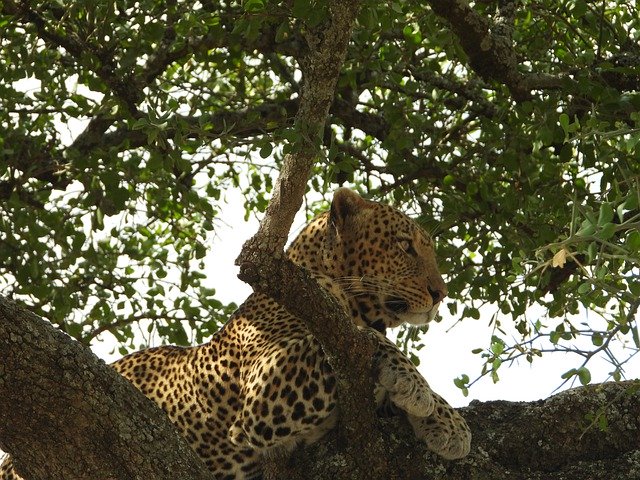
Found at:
<point>64,414</point>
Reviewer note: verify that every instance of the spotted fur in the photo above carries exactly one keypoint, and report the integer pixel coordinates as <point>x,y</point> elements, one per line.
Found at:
<point>263,382</point>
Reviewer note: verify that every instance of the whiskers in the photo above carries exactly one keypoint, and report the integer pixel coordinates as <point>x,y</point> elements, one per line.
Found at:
<point>354,286</point>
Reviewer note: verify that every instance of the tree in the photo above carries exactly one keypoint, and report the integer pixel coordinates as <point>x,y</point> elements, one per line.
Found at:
<point>509,128</point>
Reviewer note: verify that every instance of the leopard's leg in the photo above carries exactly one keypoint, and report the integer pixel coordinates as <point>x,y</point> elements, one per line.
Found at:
<point>434,421</point>
<point>444,431</point>
<point>398,378</point>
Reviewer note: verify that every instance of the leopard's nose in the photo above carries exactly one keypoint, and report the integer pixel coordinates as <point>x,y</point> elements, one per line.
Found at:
<point>436,295</point>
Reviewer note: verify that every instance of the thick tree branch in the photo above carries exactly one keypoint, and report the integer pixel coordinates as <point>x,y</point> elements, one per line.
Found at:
<point>58,399</point>
<point>262,262</point>
<point>490,55</point>
<point>553,439</point>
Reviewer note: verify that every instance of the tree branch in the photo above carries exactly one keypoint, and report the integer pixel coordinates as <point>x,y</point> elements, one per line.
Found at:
<point>264,267</point>
<point>47,166</point>
<point>553,439</point>
<point>58,399</point>
<point>490,55</point>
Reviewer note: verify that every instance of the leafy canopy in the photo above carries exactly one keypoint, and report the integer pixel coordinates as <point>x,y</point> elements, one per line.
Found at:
<point>509,128</point>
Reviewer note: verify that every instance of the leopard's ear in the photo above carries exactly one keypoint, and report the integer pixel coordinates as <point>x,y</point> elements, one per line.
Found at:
<point>345,204</point>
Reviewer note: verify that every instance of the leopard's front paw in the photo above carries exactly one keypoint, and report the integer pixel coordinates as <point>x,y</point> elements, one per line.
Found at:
<point>445,431</point>
<point>408,391</point>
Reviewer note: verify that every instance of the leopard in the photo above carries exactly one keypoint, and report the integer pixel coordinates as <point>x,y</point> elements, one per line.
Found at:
<point>263,384</point>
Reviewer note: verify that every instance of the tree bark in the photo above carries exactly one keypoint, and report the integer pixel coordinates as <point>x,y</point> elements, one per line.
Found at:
<point>554,439</point>
<point>264,266</point>
<point>64,414</point>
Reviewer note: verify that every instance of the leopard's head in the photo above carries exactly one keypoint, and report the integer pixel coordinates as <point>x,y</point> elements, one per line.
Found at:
<point>382,259</point>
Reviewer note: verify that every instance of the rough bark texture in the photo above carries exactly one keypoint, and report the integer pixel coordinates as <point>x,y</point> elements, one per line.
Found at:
<point>64,414</point>
<point>263,266</point>
<point>326,48</point>
<point>553,439</point>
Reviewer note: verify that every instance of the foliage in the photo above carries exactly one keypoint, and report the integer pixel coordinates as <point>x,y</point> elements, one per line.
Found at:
<point>528,172</point>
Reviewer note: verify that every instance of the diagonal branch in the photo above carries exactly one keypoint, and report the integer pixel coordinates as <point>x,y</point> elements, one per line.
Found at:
<point>491,55</point>
<point>264,266</point>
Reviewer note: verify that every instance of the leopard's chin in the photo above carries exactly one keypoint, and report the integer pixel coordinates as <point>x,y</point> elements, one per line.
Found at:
<point>418,319</point>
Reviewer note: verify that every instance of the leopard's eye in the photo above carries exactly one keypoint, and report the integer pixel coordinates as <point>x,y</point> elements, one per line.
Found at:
<point>406,245</point>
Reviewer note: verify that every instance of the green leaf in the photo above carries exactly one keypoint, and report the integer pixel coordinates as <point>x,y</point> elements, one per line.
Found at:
<point>584,375</point>
<point>153,31</point>
<point>564,122</point>
<point>632,201</point>
<point>253,5</point>
<point>607,231</point>
<point>579,8</point>
<point>462,382</point>
<point>633,241</point>
<point>635,336</point>
<point>606,214</point>
<point>300,8</point>
<point>266,149</point>
<point>586,229</point>
<point>497,347</point>
<point>597,339</point>
<point>603,424</point>
<point>584,288</point>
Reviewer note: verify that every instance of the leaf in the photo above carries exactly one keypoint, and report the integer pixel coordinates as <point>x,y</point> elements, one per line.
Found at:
<point>580,8</point>
<point>448,180</point>
<point>497,347</point>
<point>635,335</point>
<point>563,119</point>
<point>560,258</point>
<point>462,383</point>
<point>607,231</point>
<point>266,149</point>
<point>633,241</point>
<point>584,375</point>
<point>597,339</point>
<point>606,214</point>
<point>253,5</point>
<point>584,288</point>
<point>586,229</point>
<point>301,8</point>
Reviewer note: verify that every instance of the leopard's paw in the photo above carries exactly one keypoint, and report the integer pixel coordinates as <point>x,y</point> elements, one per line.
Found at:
<point>445,431</point>
<point>408,391</point>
